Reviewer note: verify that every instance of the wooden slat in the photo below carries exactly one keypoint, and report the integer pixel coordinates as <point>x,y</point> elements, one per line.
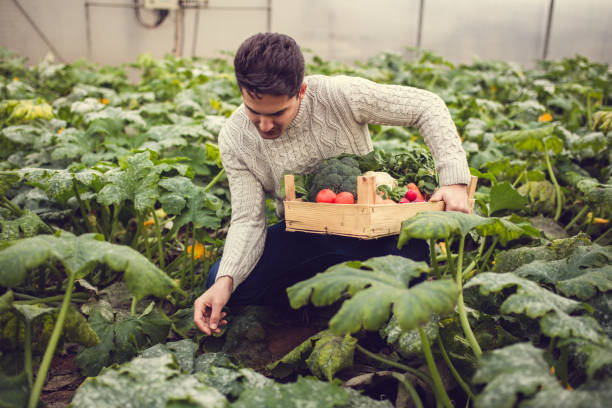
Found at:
<point>289,187</point>
<point>471,192</point>
<point>366,190</point>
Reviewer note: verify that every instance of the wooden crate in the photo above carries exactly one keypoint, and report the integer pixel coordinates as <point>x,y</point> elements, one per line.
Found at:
<point>364,220</point>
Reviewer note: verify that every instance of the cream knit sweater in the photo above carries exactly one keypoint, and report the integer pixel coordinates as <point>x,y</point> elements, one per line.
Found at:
<point>332,119</point>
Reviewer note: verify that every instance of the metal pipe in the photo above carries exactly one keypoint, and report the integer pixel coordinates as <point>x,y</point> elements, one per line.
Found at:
<point>420,24</point>
<point>39,32</point>
<point>548,29</point>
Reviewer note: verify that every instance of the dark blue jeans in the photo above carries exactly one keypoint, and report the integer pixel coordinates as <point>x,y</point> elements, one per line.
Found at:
<point>290,257</point>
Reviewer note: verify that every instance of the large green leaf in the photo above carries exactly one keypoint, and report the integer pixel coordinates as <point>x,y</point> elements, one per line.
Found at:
<point>376,286</point>
<point>80,255</point>
<point>190,202</point>
<point>121,337</point>
<point>507,261</point>
<point>528,139</point>
<point>538,303</point>
<point>508,229</point>
<point>439,225</point>
<point>331,354</point>
<point>324,353</point>
<point>586,271</point>
<point>511,372</point>
<point>408,343</point>
<point>304,392</point>
<point>520,373</point>
<point>296,358</point>
<point>146,382</point>
<point>28,225</point>
<point>138,183</point>
<point>541,196</point>
<point>505,197</point>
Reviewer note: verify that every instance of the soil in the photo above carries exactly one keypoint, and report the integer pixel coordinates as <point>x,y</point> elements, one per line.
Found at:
<point>64,378</point>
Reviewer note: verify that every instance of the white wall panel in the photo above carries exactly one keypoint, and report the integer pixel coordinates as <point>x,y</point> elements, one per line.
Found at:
<point>582,27</point>
<point>348,29</point>
<point>460,30</point>
<point>61,21</point>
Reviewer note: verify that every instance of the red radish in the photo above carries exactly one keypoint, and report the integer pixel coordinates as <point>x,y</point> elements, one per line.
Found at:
<point>404,200</point>
<point>419,200</point>
<point>411,195</point>
<point>413,187</point>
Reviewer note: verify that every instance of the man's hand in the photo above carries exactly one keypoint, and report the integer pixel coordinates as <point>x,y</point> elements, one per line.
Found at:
<point>207,308</point>
<point>455,197</point>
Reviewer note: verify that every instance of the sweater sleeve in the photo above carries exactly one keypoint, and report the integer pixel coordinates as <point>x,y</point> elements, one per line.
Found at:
<point>397,105</point>
<point>246,236</point>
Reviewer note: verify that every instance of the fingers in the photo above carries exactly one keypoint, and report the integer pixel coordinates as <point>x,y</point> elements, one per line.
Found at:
<point>215,315</point>
<point>202,317</point>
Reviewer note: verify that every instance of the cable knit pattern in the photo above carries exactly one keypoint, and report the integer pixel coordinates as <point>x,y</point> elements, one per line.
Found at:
<point>332,119</point>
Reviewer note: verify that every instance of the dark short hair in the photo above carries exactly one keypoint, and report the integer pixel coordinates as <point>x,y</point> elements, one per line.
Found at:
<point>269,63</point>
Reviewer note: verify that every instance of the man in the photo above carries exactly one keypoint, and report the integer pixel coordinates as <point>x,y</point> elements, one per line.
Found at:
<point>289,124</point>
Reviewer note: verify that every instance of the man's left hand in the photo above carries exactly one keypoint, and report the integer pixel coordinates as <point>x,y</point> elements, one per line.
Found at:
<point>455,197</point>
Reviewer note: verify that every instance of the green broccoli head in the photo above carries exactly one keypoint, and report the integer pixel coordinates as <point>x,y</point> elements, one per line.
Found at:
<point>337,175</point>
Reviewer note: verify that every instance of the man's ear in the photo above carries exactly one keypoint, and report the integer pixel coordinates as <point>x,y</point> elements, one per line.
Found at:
<point>302,91</point>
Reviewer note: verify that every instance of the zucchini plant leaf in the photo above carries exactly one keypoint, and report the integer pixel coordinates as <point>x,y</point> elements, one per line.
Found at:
<point>438,225</point>
<point>509,260</point>
<point>527,139</point>
<point>31,312</point>
<point>331,354</point>
<point>585,272</point>
<point>511,372</point>
<point>408,343</point>
<point>190,202</point>
<point>295,359</point>
<point>304,392</point>
<point>505,197</point>
<point>138,183</point>
<point>376,286</point>
<point>26,226</point>
<point>508,229</point>
<point>121,337</point>
<point>540,195</point>
<point>80,255</point>
<point>536,302</point>
<point>146,382</point>
<point>6,301</point>
<point>184,351</point>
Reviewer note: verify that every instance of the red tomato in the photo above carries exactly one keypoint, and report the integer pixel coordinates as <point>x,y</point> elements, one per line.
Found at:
<point>411,195</point>
<point>344,198</point>
<point>326,196</point>
<point>413,187</point>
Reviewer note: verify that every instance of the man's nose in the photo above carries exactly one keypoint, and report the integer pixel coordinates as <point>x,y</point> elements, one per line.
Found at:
<point>265,124</point>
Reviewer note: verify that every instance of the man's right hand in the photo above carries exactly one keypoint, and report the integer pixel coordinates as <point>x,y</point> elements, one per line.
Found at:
<point>207,308</point>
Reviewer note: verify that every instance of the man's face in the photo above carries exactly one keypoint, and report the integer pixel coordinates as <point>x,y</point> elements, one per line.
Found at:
<point>271,114</point>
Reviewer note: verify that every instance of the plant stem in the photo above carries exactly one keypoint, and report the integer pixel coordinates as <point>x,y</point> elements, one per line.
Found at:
<point>487,255</point>
<point>472,264</point>
<point>27,352</point>
<point>395,364</point>
<point>433,258</point>
<point>57,331</point>
<point>523,173</point>
<point>577,217</point>
<point>413,394</point>
<point>84,214</point>
<point>215,180</point>
<point>599,238</point>
<point>133,308</point>
<point>562,366</point>
<point>31,300</point>
<point>449,257</point>
<point>453,370</point>
<point>461,306</point>
<point>439,391</point>
<point>9,205</point>
<point>105,221</point>
<point>160,246</point>
<point>139,227</point>
<point>554,181</point>
<point>192,260</point>
<point>116,211</point>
